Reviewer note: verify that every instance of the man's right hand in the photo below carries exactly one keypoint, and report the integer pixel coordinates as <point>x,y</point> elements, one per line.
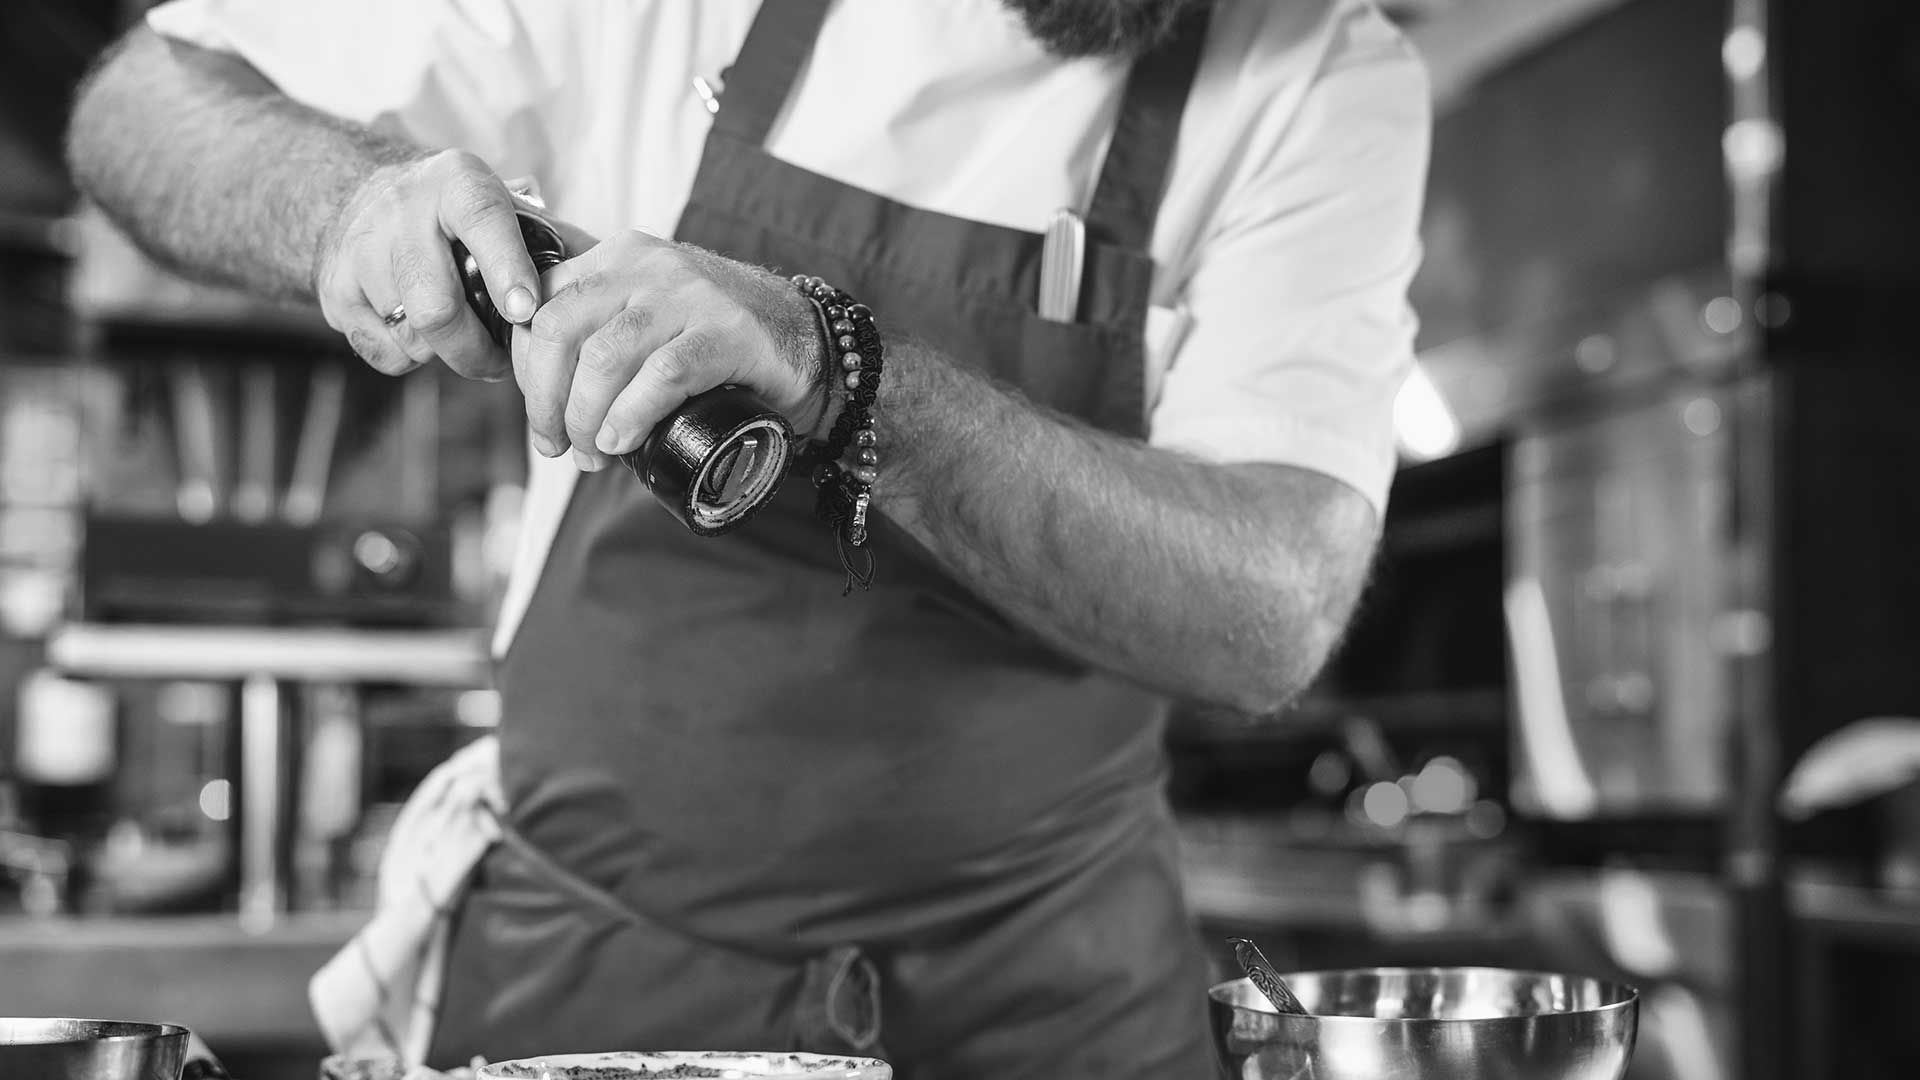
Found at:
<point>389,248</point>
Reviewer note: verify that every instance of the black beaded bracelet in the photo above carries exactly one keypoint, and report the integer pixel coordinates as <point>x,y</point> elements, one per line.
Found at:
<point>853,347</point>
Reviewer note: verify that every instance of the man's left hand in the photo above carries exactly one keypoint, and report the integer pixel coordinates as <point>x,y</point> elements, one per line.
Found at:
<point>636,325</point>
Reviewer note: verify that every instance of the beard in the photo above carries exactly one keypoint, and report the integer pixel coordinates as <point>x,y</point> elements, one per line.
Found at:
<point>1101,27</point>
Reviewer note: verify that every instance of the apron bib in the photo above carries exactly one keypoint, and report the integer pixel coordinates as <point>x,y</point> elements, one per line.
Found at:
<point>751,813</point>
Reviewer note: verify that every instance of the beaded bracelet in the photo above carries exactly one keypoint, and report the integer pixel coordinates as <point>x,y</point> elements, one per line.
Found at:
<point>845,492</point>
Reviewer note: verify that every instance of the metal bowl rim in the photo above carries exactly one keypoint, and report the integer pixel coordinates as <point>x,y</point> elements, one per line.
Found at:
<point>156,1030</point>
<point>1630,998</point>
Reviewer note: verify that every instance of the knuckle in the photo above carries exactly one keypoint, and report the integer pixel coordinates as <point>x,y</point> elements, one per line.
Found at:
<point>553,323</point>
<point>433,313</point>
<point>457,162</point>
<point>335,313</point>
<point>413,265</point>
<point>469,197</point>
<point>339,295</point>
<point>378,355</point>
<point>629,241</point>
<point>600,356</point>
<point>580,420</point>
<point>663,263</point>
<point>550,322</point>
<point>677,365</point>
<point>592,281</point>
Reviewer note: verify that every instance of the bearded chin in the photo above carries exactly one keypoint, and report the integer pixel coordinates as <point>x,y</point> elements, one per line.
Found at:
<point>1101,27</point>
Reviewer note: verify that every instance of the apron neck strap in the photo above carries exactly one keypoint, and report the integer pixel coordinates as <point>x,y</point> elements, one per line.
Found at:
<point>755,88</point>
<point>1127,198</point>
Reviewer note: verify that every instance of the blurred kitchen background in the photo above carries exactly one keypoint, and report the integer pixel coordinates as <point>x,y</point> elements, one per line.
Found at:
<point>1653,543</point>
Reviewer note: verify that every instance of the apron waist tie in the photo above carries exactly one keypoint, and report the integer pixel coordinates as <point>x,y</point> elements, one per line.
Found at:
<point>838,1011</point>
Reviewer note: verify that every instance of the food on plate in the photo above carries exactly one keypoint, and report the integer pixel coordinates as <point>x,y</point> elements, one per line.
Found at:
<point>686,1063</point>
<point>343,1068</point>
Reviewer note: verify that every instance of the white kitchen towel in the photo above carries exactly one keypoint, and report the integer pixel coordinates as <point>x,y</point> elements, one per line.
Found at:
<point>377,997</point>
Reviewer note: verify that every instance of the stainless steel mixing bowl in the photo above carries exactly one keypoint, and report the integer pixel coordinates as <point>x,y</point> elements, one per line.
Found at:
<point>58,1048</point>
<point>1428,1024</point>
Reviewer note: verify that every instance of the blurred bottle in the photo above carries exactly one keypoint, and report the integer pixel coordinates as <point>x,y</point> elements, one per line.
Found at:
<point>64,756</point>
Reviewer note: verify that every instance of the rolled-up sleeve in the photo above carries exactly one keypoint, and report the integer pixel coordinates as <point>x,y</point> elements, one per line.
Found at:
<point>479,75</point>
<point>1301,334</point>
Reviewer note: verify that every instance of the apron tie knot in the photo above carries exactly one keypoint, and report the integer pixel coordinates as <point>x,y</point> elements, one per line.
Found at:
<point>839,1007</point>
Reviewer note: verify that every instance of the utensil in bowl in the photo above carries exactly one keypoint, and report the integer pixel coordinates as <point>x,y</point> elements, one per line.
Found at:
<point>1261,973</point>
<point>1428,1024</point>
<point>62,1048</point>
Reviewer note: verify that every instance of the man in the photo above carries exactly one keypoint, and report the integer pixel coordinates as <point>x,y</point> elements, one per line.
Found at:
<point>924,820</point>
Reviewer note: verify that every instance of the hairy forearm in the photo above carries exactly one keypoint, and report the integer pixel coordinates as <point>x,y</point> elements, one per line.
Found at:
<point>1222,583</point>
<point>213,171</point>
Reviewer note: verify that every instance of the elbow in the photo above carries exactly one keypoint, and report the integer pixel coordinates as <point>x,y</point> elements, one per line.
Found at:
<point>81,137</point>
<point>90,136</point>
<point>1281,662</point>
<point>1290,622</point>
<point>1295,598</point>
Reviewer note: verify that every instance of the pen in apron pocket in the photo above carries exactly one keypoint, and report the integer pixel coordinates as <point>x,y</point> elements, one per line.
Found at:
<point>1062,259</point>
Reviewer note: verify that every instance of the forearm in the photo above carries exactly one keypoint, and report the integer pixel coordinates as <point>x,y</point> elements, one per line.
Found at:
<point>1223,583</point>
<point>213,171</point>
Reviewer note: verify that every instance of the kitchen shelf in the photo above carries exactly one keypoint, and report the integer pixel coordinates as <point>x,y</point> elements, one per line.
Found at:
<point>267,661</point>
<point>453,658</point>
<point>1856,913</point>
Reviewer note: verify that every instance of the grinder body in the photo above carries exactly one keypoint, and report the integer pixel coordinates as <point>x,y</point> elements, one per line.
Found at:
<point>711,463</point>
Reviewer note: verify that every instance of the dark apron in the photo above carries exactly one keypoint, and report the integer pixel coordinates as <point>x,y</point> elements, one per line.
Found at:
<point>751,813</point>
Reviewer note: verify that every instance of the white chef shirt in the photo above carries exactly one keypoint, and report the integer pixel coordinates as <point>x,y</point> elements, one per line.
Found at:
<point>1280,329</point>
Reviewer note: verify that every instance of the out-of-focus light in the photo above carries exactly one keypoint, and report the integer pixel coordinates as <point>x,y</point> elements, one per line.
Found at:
<point>195,502</point>
<point>1772,310</point>
<point>1357,807</point>
<point>1595,354</point>
<point>1443,787</point>
<point>377,552</point>
<point>216,800</point>
<point>1486,820</point>
<point>191,703</point>
<point>1744,50</point>
<point>1330,774</point>
<point>1634,924</point>
<point>1425,426</point>
<point>1722,315</point>
<point>478,708</point>
<point>1634,692</point>
<point>1702,416</point>
<point>1744,632</point>
<point>31,601</point>
<point>1385,804</point>
<point>1753,148</point>
<point>1547,743</point>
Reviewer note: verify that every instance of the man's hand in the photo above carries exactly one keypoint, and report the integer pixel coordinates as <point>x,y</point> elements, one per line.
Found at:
<point>389,247</point>
<point>218,174</point>
<point>637,325</point>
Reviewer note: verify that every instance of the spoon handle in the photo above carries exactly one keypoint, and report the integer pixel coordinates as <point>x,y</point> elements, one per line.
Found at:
<point>1263,976</point>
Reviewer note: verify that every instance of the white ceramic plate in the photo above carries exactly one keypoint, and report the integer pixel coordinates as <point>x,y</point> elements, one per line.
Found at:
<point>686,1063</point>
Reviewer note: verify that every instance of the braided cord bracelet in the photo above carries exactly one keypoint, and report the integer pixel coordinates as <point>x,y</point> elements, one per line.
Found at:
<point>844,491</point>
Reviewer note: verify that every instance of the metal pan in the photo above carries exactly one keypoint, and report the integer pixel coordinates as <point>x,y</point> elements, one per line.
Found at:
<point>59,1048</point>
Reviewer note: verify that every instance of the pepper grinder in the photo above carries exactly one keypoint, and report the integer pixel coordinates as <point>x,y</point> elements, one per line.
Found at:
<point>711,463</point>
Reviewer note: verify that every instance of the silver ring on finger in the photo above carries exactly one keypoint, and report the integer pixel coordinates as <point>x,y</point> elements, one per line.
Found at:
<point>395,317</point>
